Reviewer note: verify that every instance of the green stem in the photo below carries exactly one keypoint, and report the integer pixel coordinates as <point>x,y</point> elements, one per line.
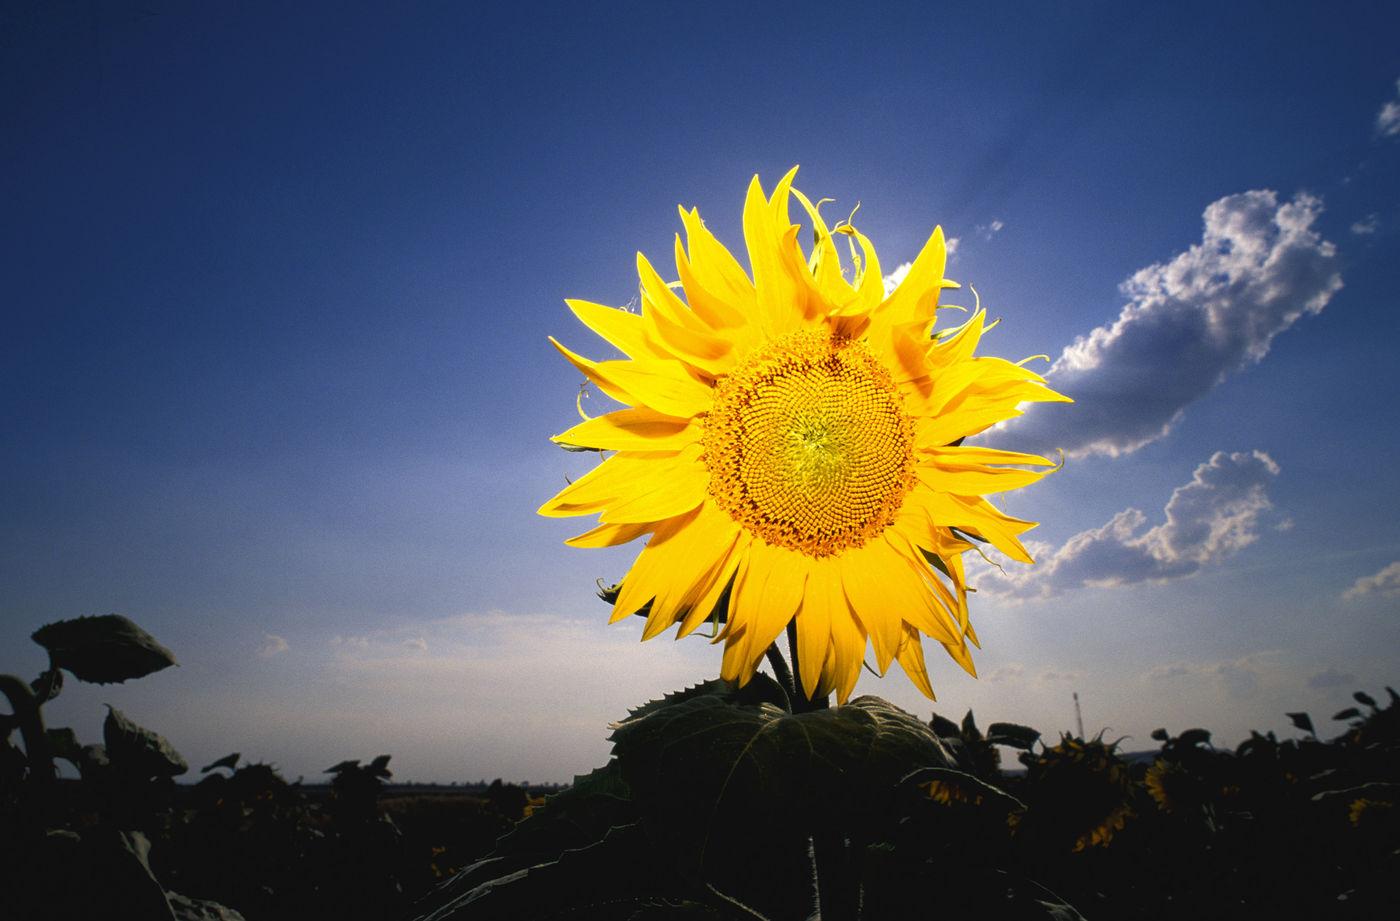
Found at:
<point>31,727</point>
<point>781,672</point>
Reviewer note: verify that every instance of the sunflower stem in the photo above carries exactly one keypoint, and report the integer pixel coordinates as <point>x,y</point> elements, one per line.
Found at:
<point>781,672</point>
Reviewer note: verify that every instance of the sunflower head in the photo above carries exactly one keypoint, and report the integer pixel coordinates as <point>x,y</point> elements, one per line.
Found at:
<point>1079,793</point>
<point>790,439</point>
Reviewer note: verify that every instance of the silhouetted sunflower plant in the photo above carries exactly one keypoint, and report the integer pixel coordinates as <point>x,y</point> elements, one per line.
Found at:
<point>101,867</point>
<point>790,448</point>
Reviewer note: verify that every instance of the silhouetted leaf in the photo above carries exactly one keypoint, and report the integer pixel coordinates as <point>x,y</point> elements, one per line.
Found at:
<point>1362,697</point>
<point>1193,737</point>
<point>188,909</point>
<point>944,727</point>
<point>1012,734</point>
<point>379,767</point>
<point>1350,713</point>
<point>47,685</point>
<point>1160,735</point>
<point>137,750</point>
<point>227,761</point>
<point>343,766</point>
<point>64,744</point>
<point>1301,720</point>
<point>708,771</point>
<point>760,689</point>
<point>969,727</point>
<point>103,649</point>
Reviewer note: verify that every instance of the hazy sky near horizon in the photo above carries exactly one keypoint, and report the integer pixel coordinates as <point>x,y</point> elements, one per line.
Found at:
<point>274,377</point>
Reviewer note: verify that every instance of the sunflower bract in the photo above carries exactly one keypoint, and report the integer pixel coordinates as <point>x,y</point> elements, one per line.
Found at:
<point>795,437</point>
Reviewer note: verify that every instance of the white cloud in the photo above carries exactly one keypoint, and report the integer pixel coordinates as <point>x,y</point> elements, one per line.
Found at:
<point>1239,678</point>
<point>272,645</point>
<point>1190,323</point>
<point>350,642</point>
<point>1385,583</point>
<point>1207,520</point>
<point>1331,678</point>
<point>1388,118</point>
<point>987,231</point>
<point>893,279</point>
<point>1011,671</point>
<point>416,643</point>
<point>1367,225</point>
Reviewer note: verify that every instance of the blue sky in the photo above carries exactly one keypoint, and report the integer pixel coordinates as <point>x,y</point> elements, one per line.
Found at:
<point>275,380</point>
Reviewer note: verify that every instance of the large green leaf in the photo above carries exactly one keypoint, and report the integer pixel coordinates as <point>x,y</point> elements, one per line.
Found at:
<point>139,751</point>
<point>1013,734</point>
<point>714,777</point>
<point>103,649</point>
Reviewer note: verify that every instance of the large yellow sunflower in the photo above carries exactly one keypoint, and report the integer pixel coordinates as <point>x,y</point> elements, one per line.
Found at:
<point>796,438</point>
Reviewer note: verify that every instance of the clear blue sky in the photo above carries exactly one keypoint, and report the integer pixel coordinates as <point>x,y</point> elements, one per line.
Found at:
<point>274,378</point>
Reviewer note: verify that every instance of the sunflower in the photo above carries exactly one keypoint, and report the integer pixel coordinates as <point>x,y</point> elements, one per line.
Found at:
<point>794,442</point>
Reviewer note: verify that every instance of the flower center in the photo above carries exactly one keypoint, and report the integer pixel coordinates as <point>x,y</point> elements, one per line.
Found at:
<point>808,444</point>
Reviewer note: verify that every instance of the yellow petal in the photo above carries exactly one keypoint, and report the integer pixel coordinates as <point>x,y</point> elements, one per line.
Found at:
<point>781,300</point>
<point>663,385</point>
<point>820,602</point>
<point>610,535</point>
<point>766,595</point>
<point>911,659</point>
<point>632,430</point>
<point>717,271</point>
<point>618,327</point>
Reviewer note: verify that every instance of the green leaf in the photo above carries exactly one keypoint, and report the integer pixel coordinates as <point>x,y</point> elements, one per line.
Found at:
<point>1013,734</point>
<point>709,771</point>
<point>103,649</point>
<point>969,784</point>
<point>944,728</point>
<point>227,761</point>
<point>64,744</point>
<point>47,685</point>
<point>1193,737</point>
<point>137,750</point>
<point>760,689</point>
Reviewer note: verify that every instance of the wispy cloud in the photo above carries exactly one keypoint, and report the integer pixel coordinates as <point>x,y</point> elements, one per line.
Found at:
<point>1206,520</point>
<point>1385,583</point>
<point>272,645</point>
<point>989,230</point>
<point>1239,678</point>
<point>1388,118</point>
<point>1331,678</point>
<point>1190,323</point>
<point>416,643</point>
<point>1367,225</point>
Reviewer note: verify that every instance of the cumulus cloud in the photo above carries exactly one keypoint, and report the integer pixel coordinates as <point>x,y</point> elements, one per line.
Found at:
<point>1367,225</point>
<point>1388,118</point>
<point>1385,583</point>
<point>1206,520</point>
<point>1331,678</point>
<point>272,645</point>
<point>893,279</point>
<point>1189,323</point>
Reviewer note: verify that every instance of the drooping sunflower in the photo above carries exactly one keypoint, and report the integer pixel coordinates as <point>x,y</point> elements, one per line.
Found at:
<point>796,440</point>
